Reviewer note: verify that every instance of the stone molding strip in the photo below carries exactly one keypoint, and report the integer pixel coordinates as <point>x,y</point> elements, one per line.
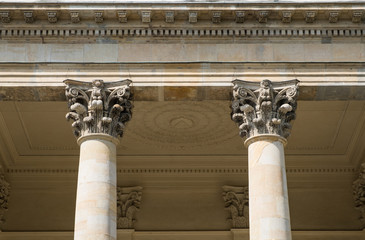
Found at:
<point>304,170</point>
<point>185,12</point>
<point>190,33</point>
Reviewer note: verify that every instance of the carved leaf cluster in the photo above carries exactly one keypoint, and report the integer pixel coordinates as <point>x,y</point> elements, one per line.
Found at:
<point>236,202</point>
<point>267,110</point>
<point>359,193</point>
<point>98,107</point>
<point>128,203</point>
<point>4,197</point>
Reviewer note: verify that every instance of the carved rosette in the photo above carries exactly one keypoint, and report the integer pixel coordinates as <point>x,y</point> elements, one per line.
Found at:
<point>4,198</point>
<point>359,193</point>
<point>236,202</point>
<point>128,203</point>
<point>98,107</point>
<point>264,108</point>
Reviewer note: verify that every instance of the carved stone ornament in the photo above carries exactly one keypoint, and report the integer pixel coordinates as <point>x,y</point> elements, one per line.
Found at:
<point>4,198</point>
<point>287,15</point>
<point>357,16</point>
<point>264,108</point>
<point>98,107</point>
<point>240,16</point>
<point>122,16</point>
<point>216,16</point>
<point>169,16</point>
<point>262,16</point>
<point>128,203</point>
<point>193,17</point>
<point>52,17</point>
<point>146,16</point>
<point>333,17</point>
<point>99,17</point>
<point>310,16</point>
<point>359,193</point>
<point>75,18</point>
<point>5,17</point>
<point>28,17</point>
<point>236,202</point>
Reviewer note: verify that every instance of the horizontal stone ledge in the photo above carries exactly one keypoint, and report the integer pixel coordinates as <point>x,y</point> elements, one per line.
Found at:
<point>52,12</point>
<point>234,234</point>
<point>307,92</point>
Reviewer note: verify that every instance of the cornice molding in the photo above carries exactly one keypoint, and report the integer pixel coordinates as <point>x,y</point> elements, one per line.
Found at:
<point>179,13</point>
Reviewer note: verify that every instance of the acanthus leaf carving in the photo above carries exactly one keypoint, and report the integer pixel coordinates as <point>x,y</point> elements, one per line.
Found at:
<point>236,202</point>
<point>98,107</point>
<point>4,198</point>
<point>128,203</point>
<point>359,193</point>
<point>265,109</point>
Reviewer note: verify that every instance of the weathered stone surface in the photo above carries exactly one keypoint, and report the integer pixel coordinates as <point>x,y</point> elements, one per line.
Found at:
<point>98,107</point>
<point>265,109</point>
<point>128,203</point>
<point>4,198</point>
<point>359,193</point>
<point>236,202</point>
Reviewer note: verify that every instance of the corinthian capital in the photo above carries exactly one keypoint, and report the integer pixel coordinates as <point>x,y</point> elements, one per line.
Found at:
<point>98,107</point>
<point>264,108</point>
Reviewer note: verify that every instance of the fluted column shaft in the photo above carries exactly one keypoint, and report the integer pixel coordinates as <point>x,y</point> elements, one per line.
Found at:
<point>96,199</point>
<point>268,195</point>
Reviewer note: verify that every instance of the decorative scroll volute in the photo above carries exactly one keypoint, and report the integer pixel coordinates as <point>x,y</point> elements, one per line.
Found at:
<point>264,108</point>
<point>359,193</point>
<point>236,202</point>
<point>128,203</point>
<point>98,107</point>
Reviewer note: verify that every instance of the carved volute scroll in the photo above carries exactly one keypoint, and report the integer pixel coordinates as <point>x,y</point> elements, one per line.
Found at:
<point>98,107</point>
<point>359,193</point>
<point>264,108</point>
<point>4,198</point>
<point>128,202</point>
<point>236,202</point>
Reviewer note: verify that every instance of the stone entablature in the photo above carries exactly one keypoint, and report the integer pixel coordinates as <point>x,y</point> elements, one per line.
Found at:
<point>180,19</point>
<point>182,12</point>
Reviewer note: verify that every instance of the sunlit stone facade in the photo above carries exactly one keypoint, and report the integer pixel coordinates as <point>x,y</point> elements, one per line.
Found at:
<point>150,89</point>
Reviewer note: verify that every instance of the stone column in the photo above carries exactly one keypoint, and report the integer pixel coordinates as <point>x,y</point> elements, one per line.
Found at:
<point>263,112</point>
<point>99,111</point>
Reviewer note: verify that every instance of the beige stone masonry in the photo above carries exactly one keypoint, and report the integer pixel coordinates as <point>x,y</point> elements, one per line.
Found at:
<point>269,205</point>
<point>96,196</point>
